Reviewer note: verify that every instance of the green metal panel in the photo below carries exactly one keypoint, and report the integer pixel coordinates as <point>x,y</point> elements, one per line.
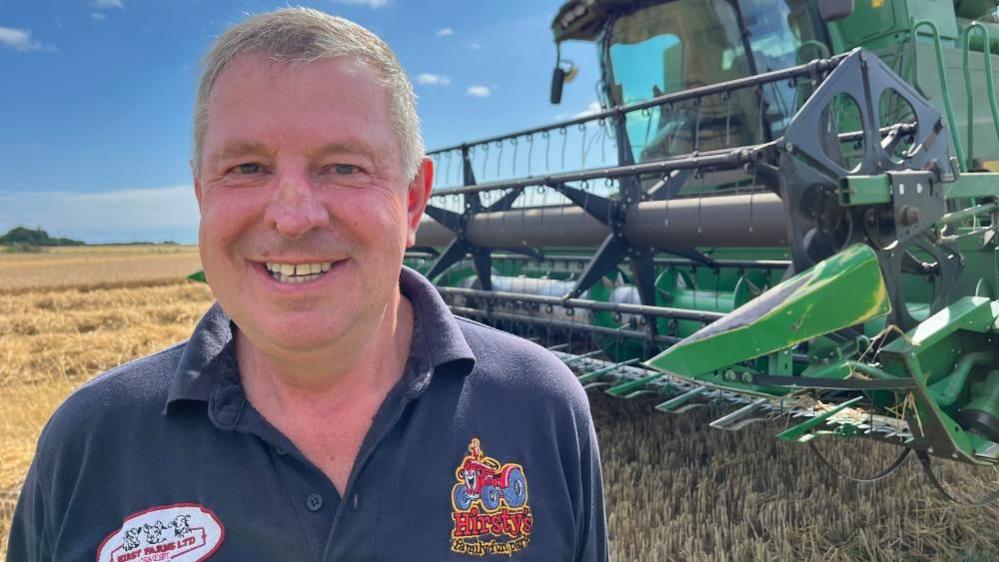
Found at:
<point>844,290</point>
<point>927,79</point>
<point>870,19</point>
<point>939,11</point>
<point>876,190</point>
<point>865,190</point>
<point>932,354</point>
<point>973,185</point>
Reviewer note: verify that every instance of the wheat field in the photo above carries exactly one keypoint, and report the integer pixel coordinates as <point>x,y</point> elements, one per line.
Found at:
<point>675,489</point>
<point>96,267</point>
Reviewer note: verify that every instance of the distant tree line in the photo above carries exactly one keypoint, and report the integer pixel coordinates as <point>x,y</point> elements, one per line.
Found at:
<point>22,239</point>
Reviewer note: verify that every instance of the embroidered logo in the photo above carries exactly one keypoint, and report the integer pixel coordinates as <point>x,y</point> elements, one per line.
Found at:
<point>182,532</point>
<point>491,515</point>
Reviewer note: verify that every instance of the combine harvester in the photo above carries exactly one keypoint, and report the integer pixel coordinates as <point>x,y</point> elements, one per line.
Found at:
<point>787,206</point>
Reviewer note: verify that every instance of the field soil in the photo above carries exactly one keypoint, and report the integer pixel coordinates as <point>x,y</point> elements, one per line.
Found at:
<point>675,489</point>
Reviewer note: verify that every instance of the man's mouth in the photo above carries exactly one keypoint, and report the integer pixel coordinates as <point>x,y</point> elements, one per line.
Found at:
<point>298,273</point>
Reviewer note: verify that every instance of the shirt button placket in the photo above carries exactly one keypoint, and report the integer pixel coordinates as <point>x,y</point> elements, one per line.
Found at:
<point>314,502</point>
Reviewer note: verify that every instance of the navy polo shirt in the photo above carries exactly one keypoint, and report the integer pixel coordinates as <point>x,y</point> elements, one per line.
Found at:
<point>483,450</point>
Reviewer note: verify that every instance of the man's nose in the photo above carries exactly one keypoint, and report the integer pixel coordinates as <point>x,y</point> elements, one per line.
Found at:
<point>295,208</point>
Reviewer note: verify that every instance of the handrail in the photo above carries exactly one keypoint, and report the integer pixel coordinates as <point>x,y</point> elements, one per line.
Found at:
<point>990,84</point>
<point>945,90</point>
<point>821,47</point>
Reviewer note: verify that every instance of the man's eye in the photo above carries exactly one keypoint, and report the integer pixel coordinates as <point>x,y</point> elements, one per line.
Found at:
<point>344,169</point>
<point>250,168</point>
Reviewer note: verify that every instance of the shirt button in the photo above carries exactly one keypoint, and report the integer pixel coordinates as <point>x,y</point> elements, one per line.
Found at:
<point>314,502</point>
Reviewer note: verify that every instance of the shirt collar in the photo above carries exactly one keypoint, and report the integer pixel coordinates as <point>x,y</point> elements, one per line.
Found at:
<point>442,339</point>
<point>209,355</point>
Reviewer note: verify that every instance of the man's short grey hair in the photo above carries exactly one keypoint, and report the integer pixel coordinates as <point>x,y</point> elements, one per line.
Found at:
<point>303,35</point>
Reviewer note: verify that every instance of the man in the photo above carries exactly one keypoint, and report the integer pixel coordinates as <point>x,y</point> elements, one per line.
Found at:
<point>329,406</point>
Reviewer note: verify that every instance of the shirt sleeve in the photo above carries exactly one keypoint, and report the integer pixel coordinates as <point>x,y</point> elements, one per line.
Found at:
<point>29,540</point>
<point>592,545</point>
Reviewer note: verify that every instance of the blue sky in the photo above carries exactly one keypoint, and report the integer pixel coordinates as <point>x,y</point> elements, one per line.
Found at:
<point>95,103</point>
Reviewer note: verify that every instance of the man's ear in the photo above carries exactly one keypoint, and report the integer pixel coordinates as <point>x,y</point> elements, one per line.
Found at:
<point>419,193</point>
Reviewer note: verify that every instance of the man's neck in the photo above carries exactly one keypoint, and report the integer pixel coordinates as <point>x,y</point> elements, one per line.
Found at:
<point>321,380</point>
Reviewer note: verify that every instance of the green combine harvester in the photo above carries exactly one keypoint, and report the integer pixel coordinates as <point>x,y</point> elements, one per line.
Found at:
<point>786,206</point>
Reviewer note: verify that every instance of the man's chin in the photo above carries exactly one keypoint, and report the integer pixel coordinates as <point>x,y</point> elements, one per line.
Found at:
<point>300,334</point>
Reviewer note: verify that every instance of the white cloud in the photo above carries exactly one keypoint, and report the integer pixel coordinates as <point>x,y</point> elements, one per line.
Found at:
<point>594,107</point>
<point>433,79</point>
<point>475,45</point>
<point>19,39</point>
<point>108,4</point>
<point>445,32</point>
<point>110,215</point>
<point>479,91</point>
<point>368,3</point>
<point>98,16</point>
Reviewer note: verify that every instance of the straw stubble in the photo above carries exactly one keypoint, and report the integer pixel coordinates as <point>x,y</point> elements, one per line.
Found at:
<point>675,489</point>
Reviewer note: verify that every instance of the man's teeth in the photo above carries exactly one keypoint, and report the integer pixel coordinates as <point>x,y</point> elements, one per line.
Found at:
<point>297,273</point>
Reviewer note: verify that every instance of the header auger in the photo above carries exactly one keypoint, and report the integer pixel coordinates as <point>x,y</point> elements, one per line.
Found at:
<point>776,208</point>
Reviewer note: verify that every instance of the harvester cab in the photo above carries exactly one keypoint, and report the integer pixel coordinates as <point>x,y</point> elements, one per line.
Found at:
<point>647,50</point>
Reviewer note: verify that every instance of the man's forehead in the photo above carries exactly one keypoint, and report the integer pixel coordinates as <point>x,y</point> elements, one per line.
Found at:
<point>258,66</point>
<point>272,87</point>
<point>361,93</point>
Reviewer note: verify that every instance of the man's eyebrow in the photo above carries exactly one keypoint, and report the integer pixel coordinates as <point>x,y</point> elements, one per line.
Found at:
<point>239,148</point>
<point>351,146</point>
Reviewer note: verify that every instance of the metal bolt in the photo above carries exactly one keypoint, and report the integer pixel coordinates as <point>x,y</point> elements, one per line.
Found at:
<point>789,147</point>
<point>730,375</point>
<point>909,215</point>
<point>747,378</point>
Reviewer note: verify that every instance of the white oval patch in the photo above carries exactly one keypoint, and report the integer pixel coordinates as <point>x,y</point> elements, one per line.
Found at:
<point>182,532</point>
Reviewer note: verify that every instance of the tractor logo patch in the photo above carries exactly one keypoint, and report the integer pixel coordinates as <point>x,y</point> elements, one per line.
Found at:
<point>182,532</point>
<point>491,515</point>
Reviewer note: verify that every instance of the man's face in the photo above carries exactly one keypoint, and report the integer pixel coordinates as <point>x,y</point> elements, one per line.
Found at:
<point>306,210</point>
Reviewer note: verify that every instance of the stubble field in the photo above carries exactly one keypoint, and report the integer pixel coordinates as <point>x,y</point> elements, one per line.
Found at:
<point>675,489</point>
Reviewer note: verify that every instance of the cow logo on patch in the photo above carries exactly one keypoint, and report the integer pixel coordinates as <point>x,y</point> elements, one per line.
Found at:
<point>491,515</point>
<point>182,532</point>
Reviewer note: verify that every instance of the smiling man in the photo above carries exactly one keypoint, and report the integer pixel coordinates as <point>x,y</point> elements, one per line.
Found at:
<point>329,406</point>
